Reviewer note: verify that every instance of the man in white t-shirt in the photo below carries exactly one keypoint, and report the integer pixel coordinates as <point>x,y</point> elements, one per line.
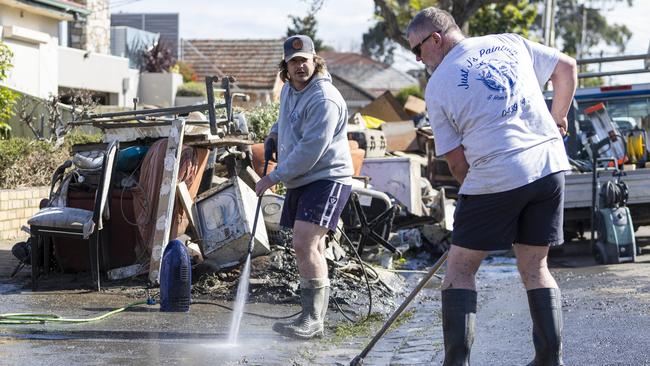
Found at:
<point>505,148</point>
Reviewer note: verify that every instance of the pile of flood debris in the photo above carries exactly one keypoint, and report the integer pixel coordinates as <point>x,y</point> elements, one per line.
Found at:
<point>399,216</point>
<point>375,278</point>
<point>274,279</point>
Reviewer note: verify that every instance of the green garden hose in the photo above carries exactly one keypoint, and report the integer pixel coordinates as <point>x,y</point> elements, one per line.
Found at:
<point>31,318</point>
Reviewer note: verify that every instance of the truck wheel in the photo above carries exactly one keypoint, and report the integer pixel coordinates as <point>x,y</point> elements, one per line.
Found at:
<point>600,255</point>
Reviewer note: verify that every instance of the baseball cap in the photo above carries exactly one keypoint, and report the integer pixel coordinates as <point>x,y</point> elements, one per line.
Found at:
<point>298,45</point>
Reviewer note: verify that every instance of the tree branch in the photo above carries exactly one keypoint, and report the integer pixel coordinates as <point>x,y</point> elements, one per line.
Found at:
<point>464,9</point>
<point>392,26</point>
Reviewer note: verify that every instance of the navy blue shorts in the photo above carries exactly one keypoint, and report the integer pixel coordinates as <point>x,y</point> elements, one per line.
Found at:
<point>319,202</point>
<point>531,215</point>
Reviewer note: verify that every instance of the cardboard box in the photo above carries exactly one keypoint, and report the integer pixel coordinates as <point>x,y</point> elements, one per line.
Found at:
<point>386,108</point>
<point>414,106</point>
<point>400,136</point>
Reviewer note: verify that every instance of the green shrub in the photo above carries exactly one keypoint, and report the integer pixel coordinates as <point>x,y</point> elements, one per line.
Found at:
<point>191,89</point>
<point>7,97</point>
<point>77,137</point>
<point>261,118</point>
<point>29,163</point>
<point>404,93</point>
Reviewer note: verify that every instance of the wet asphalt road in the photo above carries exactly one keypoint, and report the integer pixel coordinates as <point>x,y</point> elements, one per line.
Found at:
<point>606,313</point>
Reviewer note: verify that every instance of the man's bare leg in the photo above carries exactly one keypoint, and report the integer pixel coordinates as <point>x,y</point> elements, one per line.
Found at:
<point>309,245</point>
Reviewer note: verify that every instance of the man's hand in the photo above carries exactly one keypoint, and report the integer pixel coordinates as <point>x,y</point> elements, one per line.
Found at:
<point>562,125</point>
<point>264,184</point>
<point>270,146</point>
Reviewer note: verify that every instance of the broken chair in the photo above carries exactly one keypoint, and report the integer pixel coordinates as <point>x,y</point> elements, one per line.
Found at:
<point>370,227</point>
<point>69,222</point>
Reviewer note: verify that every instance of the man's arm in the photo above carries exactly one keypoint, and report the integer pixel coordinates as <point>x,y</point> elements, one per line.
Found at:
<point>564,79</point>
<point>457,163</point>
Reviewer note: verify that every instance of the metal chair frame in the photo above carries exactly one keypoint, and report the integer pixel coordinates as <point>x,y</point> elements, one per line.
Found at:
<point>41,235</point>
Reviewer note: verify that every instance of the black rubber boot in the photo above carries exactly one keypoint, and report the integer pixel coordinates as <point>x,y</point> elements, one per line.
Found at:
<point>310,323</point>
<point>458,318</point>
<point>546,312</point>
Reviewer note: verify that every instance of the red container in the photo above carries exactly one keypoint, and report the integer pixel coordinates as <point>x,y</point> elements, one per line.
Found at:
<point>120,237</point>
<point>258,160</point>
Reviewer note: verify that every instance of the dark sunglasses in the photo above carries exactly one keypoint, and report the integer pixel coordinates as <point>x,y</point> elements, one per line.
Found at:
<point>417,50</point>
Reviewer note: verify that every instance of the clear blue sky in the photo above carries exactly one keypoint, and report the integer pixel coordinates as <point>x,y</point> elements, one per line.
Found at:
<point>341,23</point>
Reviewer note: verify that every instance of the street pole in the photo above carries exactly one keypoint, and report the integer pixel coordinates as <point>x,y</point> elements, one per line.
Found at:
<point>549,23</point>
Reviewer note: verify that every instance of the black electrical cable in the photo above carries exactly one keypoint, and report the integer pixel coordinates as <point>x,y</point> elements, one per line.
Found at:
<point>205,302</point>
<point>365,275</point>
<point>246,312</point>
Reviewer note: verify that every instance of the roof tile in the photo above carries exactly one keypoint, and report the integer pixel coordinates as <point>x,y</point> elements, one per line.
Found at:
<point>253,62</point>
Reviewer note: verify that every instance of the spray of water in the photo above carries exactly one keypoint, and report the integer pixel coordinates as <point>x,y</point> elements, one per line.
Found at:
<point>240,302</point>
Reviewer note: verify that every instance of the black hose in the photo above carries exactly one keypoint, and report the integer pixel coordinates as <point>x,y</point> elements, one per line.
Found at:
<point>614,194</point>
<point>246,312</point>
<point>365,275</point>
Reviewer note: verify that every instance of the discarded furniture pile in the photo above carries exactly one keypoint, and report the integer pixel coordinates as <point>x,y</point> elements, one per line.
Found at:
<point>189,172</point>
<point>130,200</point>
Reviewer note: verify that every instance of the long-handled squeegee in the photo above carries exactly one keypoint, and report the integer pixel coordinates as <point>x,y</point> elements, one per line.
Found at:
<point>359,359</point>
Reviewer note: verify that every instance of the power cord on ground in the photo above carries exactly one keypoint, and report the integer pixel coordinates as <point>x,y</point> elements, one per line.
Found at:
<point>246,312</point>
<point>365,275</point>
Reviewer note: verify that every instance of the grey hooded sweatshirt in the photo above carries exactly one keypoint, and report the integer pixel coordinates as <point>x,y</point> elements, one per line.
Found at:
<point>312,135</point>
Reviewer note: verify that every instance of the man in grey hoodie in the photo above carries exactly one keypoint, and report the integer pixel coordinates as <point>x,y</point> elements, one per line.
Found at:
<point>315,165</point>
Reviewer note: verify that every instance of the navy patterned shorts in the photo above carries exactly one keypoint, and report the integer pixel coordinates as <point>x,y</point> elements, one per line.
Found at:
<point>319,202</point>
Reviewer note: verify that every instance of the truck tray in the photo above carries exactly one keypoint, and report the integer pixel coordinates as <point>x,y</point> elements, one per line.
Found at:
<point>578,187</point>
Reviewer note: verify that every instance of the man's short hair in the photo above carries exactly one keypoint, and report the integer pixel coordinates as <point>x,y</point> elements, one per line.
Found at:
<point>430,20</point>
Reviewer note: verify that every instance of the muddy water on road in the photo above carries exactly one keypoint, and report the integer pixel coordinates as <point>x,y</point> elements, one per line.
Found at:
<point>606,313</point>
<point>141,335</point>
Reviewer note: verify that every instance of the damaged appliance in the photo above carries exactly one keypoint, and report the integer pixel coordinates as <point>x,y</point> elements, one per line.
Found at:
<point>399,176</point>
<point>272,211</point>
<point>225,219</point>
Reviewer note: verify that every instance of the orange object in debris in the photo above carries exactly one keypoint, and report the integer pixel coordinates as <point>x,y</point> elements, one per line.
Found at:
<point>357,156</point>
<point>258,160</point>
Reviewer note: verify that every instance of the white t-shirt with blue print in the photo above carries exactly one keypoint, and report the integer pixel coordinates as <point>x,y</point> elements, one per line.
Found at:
<point>486,95</point>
